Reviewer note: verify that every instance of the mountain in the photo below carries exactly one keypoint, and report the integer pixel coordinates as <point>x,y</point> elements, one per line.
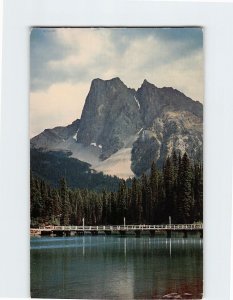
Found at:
<point>122,130</point>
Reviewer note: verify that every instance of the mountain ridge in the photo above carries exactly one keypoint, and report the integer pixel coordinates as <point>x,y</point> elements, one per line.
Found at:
<point>123,126</point>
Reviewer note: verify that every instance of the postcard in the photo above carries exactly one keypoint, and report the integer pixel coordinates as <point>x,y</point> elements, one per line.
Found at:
<point>116,162</point>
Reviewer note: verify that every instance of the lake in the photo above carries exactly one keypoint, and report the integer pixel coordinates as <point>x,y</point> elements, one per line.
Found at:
<point>114,267</point>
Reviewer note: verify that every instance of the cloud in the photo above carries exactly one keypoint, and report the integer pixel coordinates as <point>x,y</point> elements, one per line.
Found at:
<point>184,74</point>
<point>44,47</point>
<point>59,105</point>
<point>87,45</point>
<point>64,61</point>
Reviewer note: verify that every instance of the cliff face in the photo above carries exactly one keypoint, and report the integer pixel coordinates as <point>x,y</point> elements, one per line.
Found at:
<point>142,125</point>
<point>110,116</point>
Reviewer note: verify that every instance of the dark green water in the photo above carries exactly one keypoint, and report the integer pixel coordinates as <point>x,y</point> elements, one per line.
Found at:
<point>111,267</point>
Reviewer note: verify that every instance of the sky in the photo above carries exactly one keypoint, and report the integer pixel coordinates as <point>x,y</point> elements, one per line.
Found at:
<point>64,61</point>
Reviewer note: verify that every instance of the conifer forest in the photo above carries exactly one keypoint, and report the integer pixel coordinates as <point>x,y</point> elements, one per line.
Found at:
<point>175,190</point>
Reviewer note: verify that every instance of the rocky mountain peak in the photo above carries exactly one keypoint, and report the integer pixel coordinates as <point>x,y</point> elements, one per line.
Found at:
<point>114,82</point>
<point>110,115</point>
<point>146,124</point>
<point>147,84</point>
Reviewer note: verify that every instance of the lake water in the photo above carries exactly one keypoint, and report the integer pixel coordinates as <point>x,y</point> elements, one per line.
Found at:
<point>114,267</point>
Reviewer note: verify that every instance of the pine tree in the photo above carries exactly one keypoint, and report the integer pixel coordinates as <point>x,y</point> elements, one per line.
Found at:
<point>198,192</point>
<point>169,188</point>
<point>36,199</point>
<point>136,209</point>
<point>146,199</point>
<point>73,207</point>
<point>56,204</point>
<point>65,213</point>
<point>153,197</point>
<point>175,162</point>
<point>179,203</point>
<point>121,200</point>
<point>186,198</point>
<point>105,208</point>
<point>109,209</point>
<point>160,216</point>
<point>79,207</point>
<point>113,209</point>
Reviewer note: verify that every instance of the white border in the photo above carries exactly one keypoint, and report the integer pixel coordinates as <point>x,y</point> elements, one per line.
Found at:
<point>218,125</point>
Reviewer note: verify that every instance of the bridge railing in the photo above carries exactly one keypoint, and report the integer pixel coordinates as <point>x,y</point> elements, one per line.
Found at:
<point>126,227</point>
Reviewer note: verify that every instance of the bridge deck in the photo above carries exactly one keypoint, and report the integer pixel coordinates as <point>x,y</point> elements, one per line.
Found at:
<point>122,228</point>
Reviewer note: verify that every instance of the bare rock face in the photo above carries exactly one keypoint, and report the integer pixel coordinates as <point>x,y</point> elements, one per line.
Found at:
<point>51,138</point>
<point>156,101</point>
<point>171,121</point>
<point>172,130</point>
<point>151,121</point>
<point>110,116</point>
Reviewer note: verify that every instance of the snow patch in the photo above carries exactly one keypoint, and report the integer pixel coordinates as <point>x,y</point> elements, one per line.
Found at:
<point>93,144</point>
<point>118,164</point>
<point>137,102</point>
<point>143,135</point>
<point>100,146</point>
<point>75,136</point>
<point>139,131</point>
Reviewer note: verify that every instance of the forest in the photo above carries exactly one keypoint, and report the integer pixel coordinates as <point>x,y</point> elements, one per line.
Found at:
<point>51,166</point>
<point>176,190</point>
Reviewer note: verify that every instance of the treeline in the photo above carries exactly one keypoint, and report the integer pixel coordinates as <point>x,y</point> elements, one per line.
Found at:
<point>176,191</point>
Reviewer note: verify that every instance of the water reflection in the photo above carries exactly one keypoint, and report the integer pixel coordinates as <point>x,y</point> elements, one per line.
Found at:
<point>83,246</point>
<point>115,267</point>
<point>125,247</point>
<point>170,247</point>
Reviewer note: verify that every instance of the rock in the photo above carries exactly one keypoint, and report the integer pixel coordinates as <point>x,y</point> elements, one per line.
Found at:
<point>110,116</point>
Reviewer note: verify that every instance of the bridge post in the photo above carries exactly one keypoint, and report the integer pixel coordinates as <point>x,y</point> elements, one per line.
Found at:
<point>169,234</point>
<point>138,233</point>
<point>122,232</point>
<point>80,232</point>
<point>108,232</point>
<point>45,233</point>
<point>201,234</point>
<point>185,234</point>
<point>59,233</point>
<point>152,233</point>
<point>94,232</point>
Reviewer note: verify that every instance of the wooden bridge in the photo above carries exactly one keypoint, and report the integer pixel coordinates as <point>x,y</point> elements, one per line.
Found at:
<point>120,229</point>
